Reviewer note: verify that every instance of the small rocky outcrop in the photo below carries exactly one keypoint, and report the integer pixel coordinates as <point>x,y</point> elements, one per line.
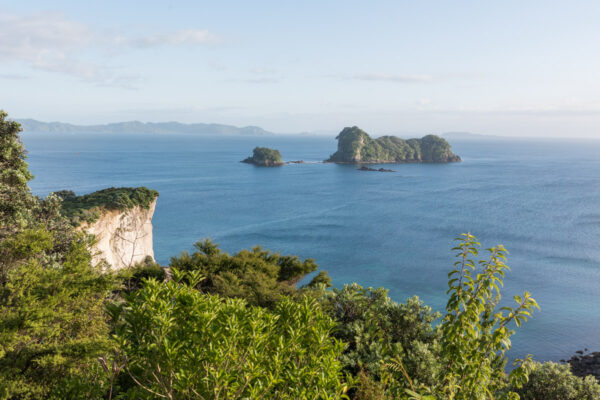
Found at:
<point>584,363</point>
<point>265,157</point>
<point>365,168</point>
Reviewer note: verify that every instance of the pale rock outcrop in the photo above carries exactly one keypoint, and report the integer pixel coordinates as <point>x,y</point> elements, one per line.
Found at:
<point>123,237</point>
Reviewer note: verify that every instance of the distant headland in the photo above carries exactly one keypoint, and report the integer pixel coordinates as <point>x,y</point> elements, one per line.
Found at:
<point>137,127</point>
<point>355,146</point>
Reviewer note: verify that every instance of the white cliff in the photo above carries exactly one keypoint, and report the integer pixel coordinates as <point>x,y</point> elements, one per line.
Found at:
<point>123,237</point>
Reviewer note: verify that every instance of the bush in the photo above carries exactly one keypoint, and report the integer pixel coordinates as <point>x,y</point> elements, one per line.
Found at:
<point>475,334</point>
<point>52,316</point>
<point>552,381</point>
<point>181,343</point>
<point>133,277</point>
<point>377,328</point>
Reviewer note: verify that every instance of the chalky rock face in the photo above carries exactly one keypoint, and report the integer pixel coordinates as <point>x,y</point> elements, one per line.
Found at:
<point>123,237</point>
<point>355,146</point>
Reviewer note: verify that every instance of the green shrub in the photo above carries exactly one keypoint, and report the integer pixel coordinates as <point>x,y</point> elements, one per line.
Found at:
<point>133,277</point>
<point>377,329</point>
<point>475,334</point>
<point>51,314</point>
<point>552,381</point>
<point>181,343</point>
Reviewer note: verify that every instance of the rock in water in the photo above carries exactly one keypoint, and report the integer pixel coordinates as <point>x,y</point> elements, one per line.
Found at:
<point>265,157</point>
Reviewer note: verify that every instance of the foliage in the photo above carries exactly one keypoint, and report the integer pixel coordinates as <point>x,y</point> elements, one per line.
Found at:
<point>321,280</point>
<point>174,341</point>
<point>265,156</point>
<point>89,206</point>
<point>377,329</point>
<point>133,277</point>
<point>551,381</point>
<point>51,296</point>
<point>181,343</point>
<point>368,388</point>
<point>51,315</point>
<point>356,146</point>
<point>435,149</point>
<point>259,276</point>
<point>475,332</point>
<point>15,198</point>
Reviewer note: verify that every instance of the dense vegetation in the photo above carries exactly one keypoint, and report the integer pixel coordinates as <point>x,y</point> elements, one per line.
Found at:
<point>356,146</point>
<point>551,381</point>
<point>258,276</point>
<point>52,299</point>
<point>89,206</point>
<point>265,157</point>
<point>222,326</point>
<point>182,343</point>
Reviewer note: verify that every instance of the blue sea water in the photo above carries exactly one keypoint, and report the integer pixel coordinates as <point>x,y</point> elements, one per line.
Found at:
<point>540,199</point>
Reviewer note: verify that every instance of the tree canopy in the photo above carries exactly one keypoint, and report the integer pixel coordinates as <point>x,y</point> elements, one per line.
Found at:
<point>261,277</point>
<point>89,206</point>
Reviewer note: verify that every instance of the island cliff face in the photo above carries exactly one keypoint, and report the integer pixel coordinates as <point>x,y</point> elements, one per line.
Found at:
<point>355,146</point>
<point>123,237</point>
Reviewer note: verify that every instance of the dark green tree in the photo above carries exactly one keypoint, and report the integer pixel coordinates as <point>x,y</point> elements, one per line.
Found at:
<point>261,277</point>
<point>15,199</point>
<point>52,324</point>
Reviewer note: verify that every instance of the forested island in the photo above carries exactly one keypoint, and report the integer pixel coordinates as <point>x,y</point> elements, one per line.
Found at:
<point>355,146</point>
<point>238,326</point>
<point>265,157</point>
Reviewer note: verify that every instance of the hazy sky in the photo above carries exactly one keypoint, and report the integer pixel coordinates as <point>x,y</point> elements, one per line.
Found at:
<point>528,68</point>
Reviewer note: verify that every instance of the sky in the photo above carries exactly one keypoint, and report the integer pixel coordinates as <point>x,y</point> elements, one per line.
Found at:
<point>510,68</point>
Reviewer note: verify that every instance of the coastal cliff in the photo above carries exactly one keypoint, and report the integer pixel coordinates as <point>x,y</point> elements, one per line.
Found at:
<point>120,219</point>
<point>355,146</point>
<point>123,238</point>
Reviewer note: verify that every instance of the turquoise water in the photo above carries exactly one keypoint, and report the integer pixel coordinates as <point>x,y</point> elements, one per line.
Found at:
<point>541,199</point>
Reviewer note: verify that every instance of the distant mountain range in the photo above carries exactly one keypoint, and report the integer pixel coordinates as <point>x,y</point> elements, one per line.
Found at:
<point>34,126</point>
<point>170,128</point>
<point>468,136</point>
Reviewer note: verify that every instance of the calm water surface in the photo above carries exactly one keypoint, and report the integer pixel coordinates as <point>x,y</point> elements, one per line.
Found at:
<point>541,199</point>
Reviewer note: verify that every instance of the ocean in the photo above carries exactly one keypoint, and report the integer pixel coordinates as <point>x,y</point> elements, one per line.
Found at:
<point>540,199</point>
